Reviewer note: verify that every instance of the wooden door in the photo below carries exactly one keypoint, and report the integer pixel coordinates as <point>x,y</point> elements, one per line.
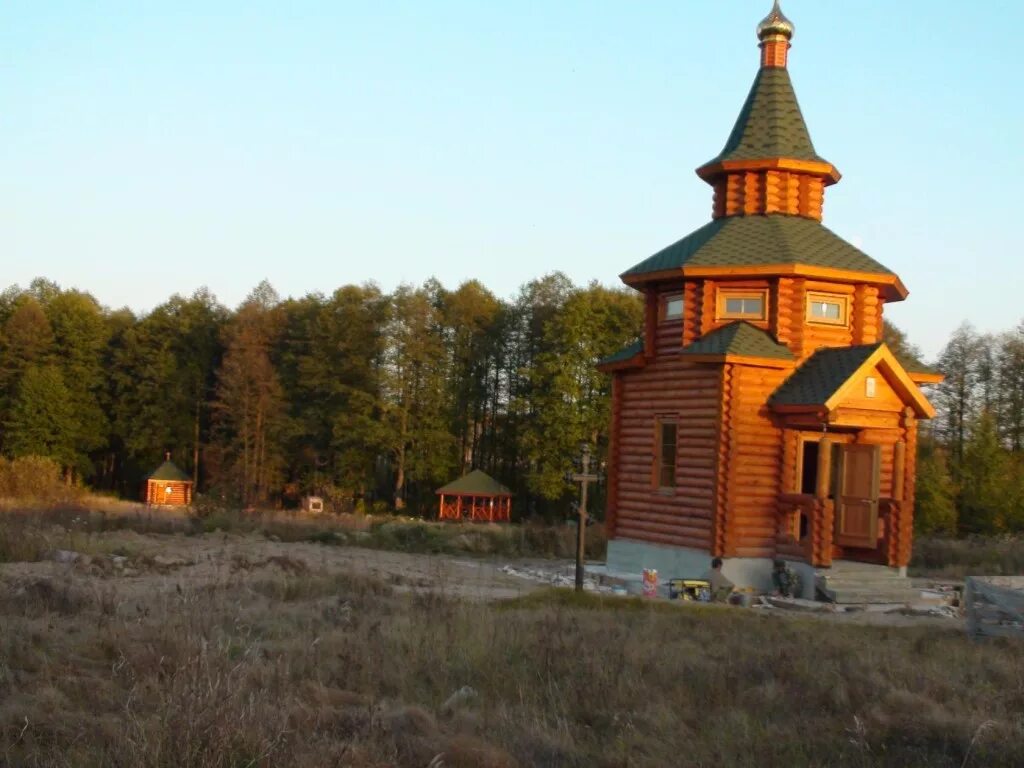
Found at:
<point>857,496</point>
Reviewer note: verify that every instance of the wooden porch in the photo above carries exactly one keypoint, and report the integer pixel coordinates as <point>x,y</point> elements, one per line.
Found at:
<point>846,517</point>
<point>807,532</point>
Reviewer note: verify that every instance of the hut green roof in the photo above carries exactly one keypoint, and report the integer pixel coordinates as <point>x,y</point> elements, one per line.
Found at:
<point>169,471</point>
<point>476,483</point>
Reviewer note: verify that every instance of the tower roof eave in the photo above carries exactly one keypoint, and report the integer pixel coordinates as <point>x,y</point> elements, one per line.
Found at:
<point>773,245</point>
<point>712,170</point>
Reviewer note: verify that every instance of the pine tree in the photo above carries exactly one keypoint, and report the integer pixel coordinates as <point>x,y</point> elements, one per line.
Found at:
<point>163,377</point>
<point>899,344</point>
<point>984,503</point>
<point>250,418</point>
<point>572,396</point>
<point>413,387</point>
<point>25,340</point>
<point>80,334</point>
<point>956,396</point>
<point>471,315</point>
<point>356,318</point>
<point>329,358</point>
<point>935,503</point>
<point>1010,357</point>
<point>43,418</point>
<point>538,302</point>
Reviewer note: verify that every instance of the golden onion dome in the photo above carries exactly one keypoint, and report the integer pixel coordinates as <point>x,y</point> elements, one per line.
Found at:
<point>775,23</point>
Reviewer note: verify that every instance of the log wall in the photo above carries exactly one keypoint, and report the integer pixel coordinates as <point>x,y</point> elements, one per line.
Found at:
<point>754,474</point>
<point>746,193</point>
<point>902,534</point>
<point>614,443</point>
<point>786,312</point>
<point>668,388</point>
<point>668,334</point>
<point>692,311</point>
<point>866,311</point>
<point>180,493</point>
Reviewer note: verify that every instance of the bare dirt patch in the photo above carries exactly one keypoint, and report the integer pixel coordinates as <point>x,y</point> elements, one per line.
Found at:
<point>149,565</point>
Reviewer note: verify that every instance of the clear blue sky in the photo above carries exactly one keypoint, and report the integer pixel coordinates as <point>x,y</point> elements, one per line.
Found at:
<point>153,147</point>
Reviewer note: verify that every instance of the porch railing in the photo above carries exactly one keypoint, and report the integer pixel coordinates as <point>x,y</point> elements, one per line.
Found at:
<point>806,529</point>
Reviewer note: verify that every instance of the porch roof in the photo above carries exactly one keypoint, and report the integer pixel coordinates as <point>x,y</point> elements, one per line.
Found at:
<point>822,381</point>
<point>821,375</point>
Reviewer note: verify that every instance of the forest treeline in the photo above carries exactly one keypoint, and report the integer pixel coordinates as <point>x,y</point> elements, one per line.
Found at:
<point>375,399</point>
<point>372,399</point>
<point>971,466</point>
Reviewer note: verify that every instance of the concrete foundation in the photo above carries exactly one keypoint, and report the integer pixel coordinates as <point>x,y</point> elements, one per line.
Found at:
<point>630,558</point>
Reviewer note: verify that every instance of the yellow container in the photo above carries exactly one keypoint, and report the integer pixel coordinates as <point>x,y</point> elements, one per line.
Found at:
<point>689,589</point>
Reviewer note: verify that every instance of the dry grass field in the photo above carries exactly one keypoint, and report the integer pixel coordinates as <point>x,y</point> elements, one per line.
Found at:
<point>159,648</point>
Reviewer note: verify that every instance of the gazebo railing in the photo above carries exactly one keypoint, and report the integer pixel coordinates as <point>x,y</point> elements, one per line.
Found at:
<point>488,509</point>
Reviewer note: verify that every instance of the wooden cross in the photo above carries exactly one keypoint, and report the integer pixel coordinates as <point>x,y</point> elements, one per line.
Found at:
<point>584,478</point>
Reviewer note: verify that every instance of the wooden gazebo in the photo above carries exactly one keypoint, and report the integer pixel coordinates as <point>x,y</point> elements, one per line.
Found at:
<point>476,496</point>
<point>168,485</point>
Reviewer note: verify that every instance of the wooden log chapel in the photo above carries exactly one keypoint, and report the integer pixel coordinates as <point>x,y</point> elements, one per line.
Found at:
<point>168,485</point>
<point>762,415</point>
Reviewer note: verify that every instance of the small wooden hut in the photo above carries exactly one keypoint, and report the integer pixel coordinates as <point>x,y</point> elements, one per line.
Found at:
<point>168,485</point>
<point>476,496</point>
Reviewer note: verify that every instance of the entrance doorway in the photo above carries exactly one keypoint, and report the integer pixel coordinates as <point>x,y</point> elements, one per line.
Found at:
<point>809,467</point>
<point>859,474</point>
<point>810,461</point>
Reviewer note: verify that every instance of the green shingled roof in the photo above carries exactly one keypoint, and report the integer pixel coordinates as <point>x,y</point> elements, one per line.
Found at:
<point>750,241</point>
<point>740,338</point>
<point>476,483</point>
<point>770,124</point>
<point>168,471</point>
<point>624,354</point>
<point>821,375</point>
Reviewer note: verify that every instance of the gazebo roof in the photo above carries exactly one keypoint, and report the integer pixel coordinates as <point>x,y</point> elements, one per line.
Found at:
<point>169,471</point>
<point>476,483</point>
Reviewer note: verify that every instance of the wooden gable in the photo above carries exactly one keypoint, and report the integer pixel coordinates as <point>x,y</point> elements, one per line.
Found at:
<point>881,384</point>
<point>844,386</point>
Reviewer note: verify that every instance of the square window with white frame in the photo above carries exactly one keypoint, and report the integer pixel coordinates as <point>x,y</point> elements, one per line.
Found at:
<point>828,308</point>
<point>742,305</point>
